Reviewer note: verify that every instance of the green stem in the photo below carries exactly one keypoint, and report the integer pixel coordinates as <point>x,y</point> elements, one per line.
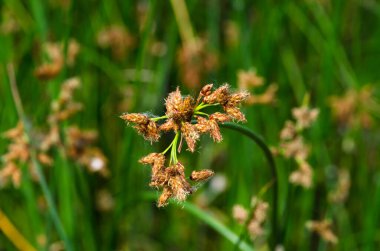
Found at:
<point>202,105</point>
<point>159,118</point>
<point>202,113</point>
<point>268,155</point>
<point>173,152</point>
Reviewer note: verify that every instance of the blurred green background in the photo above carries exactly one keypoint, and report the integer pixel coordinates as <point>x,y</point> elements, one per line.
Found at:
<point>129,55</point>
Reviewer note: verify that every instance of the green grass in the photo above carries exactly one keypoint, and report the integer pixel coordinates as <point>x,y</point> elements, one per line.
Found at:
<point>303,46</point>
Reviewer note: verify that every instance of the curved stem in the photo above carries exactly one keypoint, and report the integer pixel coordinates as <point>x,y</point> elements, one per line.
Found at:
<point>268,155</point>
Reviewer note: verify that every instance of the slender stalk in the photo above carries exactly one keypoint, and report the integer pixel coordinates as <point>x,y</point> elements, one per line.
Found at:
<point>41,178</point>
<point>13,234</point>
<point>268,155</point>
<point>202,113</point>
<point>202,105</point>
<point>183,21</point>
<point>159,118</point>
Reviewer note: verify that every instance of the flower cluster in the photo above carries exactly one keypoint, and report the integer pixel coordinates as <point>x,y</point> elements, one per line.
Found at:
<point>342,189</point>
<point>80,147</point>
<point>55,53</point>
<point>250,81</point>
<point>323,229</point>
<point>117,38</point>
<point>18,154</point>
<point>195,61</point>
<point>256,220</point>
<point>292,144</point>
<point>78,144</point>
<point>356,108</point>
<point>186,118</point>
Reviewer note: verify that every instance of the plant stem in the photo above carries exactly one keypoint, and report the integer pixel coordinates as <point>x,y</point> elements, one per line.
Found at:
<point>202,113</point>
<point>268,155</point>
<point>202,105</point>
<point>159,118</point>
<point>183,21</point>
<point>173,152</point>
<point>41,178</point>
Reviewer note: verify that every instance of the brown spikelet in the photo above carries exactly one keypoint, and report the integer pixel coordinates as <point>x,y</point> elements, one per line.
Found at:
<point>202,125</point>
<point>255,226</point>
<point>191,135</point>
<point>289,131</point>
<point>201,175</point>
<point>220,95</point>
<point>169,125</point>
<point>177,182</point>
<point>249,79</point>
<point>323,228</point>
<point>239,213</point>
<point>164,197</point>
<point>237,98</point>
<point>48,71</point>
<point>136,118</point>
<point>178,108</point>
<point>303,176</point>
<point>145,126</point>
<point>215,131</point>
<point>235,113</point>
<point>305,116</point>
<point>206,90</point>
<point>220,117</point>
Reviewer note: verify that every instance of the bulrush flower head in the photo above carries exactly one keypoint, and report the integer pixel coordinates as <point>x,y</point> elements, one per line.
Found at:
<point>179,118</point>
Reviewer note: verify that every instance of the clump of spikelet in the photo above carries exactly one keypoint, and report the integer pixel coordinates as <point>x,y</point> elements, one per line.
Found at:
<point>250,81</point>
<point>342,189</point>
<point>55,54</point>
<point>253,221</point>
<point>323,229</point>
<point>356,108</point>
<point>195,61</point>
<point>186,118</point>
<point>78,144</point>
<point>116,38</point>
<point>292,144</point>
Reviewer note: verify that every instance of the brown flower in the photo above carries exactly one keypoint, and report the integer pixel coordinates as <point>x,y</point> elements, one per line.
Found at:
<point>178,108</point>
<point>341,192</point>
<point>209,126</point>
<point>145,126</point>
<point>191,135</point>
<point>305,116</point>
<point>323,228</point>
<point>249,79</point>
<point>201,175</point>
<point>194,61</point>
<point>255,224</point>
<point>289,131</point>
<point>239,213</point>
<point>303,175</point>
<point>117,38</point>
